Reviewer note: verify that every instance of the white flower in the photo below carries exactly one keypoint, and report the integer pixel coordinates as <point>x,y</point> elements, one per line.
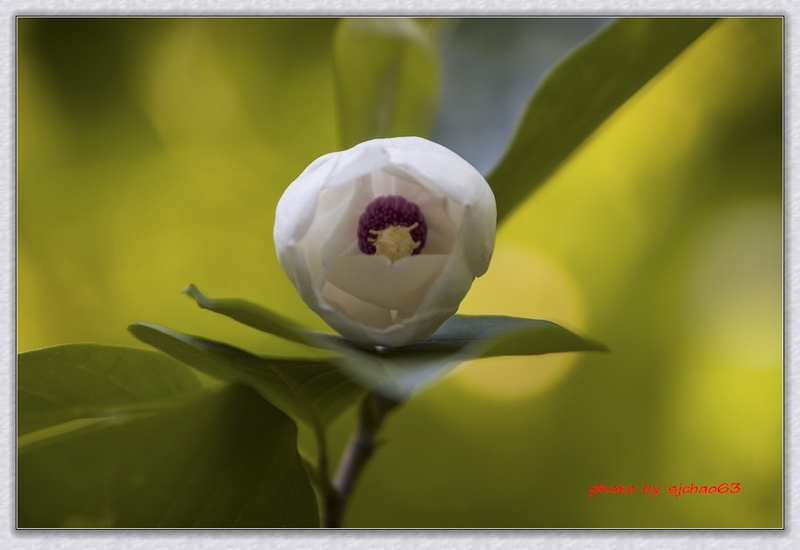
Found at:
<point>384,240</point>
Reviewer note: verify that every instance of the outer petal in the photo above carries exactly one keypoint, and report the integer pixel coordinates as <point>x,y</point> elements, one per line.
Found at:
<point>295,210</point>
<point>438,166</point>
<point>293,216</point>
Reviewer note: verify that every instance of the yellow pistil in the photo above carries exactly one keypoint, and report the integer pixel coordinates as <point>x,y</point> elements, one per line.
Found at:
<point>394,242</point>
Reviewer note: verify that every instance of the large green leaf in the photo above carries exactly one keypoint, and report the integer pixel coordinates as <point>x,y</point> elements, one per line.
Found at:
<point>310,391</point>
<point>227,460</point>
<point>313,392</point>
<point>387,77</point>
<point>65,387</point>
<point>399,372</point>
<point>583,91</point>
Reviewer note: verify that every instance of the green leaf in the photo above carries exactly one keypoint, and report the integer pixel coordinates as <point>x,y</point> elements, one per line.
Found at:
<point>386,76</point>
<point>310,391</point>
<point>254,316</point>
<point>78,384</point>
<point>227,460</point>
<point>397,373</point>
<point>499,335</point>
<point>284,382</point>
<point>580,93</point>
<point>262,319</point>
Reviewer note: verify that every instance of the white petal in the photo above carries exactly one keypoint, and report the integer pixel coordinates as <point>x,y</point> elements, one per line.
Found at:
<point>361,160</point>
<point>374,279</point>
<point>364,313</point>
<point>335,208</point>
<point>293,216</point>
<point>293,262</point>
<point>398,334</point>
<point>438,167</point>
<point>477,234</point>
<point>446,293</point>
<point>297,206</point>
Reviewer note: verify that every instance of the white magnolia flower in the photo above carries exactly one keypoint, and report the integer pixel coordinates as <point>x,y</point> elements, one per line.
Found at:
<point>384,240</point>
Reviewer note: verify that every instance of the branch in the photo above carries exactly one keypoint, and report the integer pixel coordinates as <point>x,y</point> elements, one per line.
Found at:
<point>372,412</point>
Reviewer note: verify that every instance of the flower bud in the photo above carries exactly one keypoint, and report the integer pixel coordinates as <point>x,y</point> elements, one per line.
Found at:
<point>383,240</point>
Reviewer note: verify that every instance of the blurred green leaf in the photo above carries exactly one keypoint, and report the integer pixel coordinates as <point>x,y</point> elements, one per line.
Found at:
<point>387,79</point>
<point>310,391</point>
<point>398,372</point>
<point>89,382</point>
<point>228,460</point>
<point>583,91</point>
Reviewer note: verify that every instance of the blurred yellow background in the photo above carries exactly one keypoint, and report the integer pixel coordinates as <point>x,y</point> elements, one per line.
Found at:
<point>152,153</point>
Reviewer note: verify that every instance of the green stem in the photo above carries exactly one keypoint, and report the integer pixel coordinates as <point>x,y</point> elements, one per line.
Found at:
<point>362,444</point>
<point>330,495</point>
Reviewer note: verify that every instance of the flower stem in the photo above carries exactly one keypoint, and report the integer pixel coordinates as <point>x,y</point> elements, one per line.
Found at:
<point>362,444</point>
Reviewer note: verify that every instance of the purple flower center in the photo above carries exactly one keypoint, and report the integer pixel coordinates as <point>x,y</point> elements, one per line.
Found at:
<point>389,210</point>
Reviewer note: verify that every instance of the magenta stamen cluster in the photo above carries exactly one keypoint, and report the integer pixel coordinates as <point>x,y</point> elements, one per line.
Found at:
<point>389,210</point>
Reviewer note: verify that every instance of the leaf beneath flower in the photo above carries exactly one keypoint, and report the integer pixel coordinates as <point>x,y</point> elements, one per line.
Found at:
<point>498,335</point>
<point>399,372</point>
<point>313,392</point>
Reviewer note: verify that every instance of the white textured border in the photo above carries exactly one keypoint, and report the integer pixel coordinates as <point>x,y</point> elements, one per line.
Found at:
<point>401,7</point>
<point>370,539</point>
